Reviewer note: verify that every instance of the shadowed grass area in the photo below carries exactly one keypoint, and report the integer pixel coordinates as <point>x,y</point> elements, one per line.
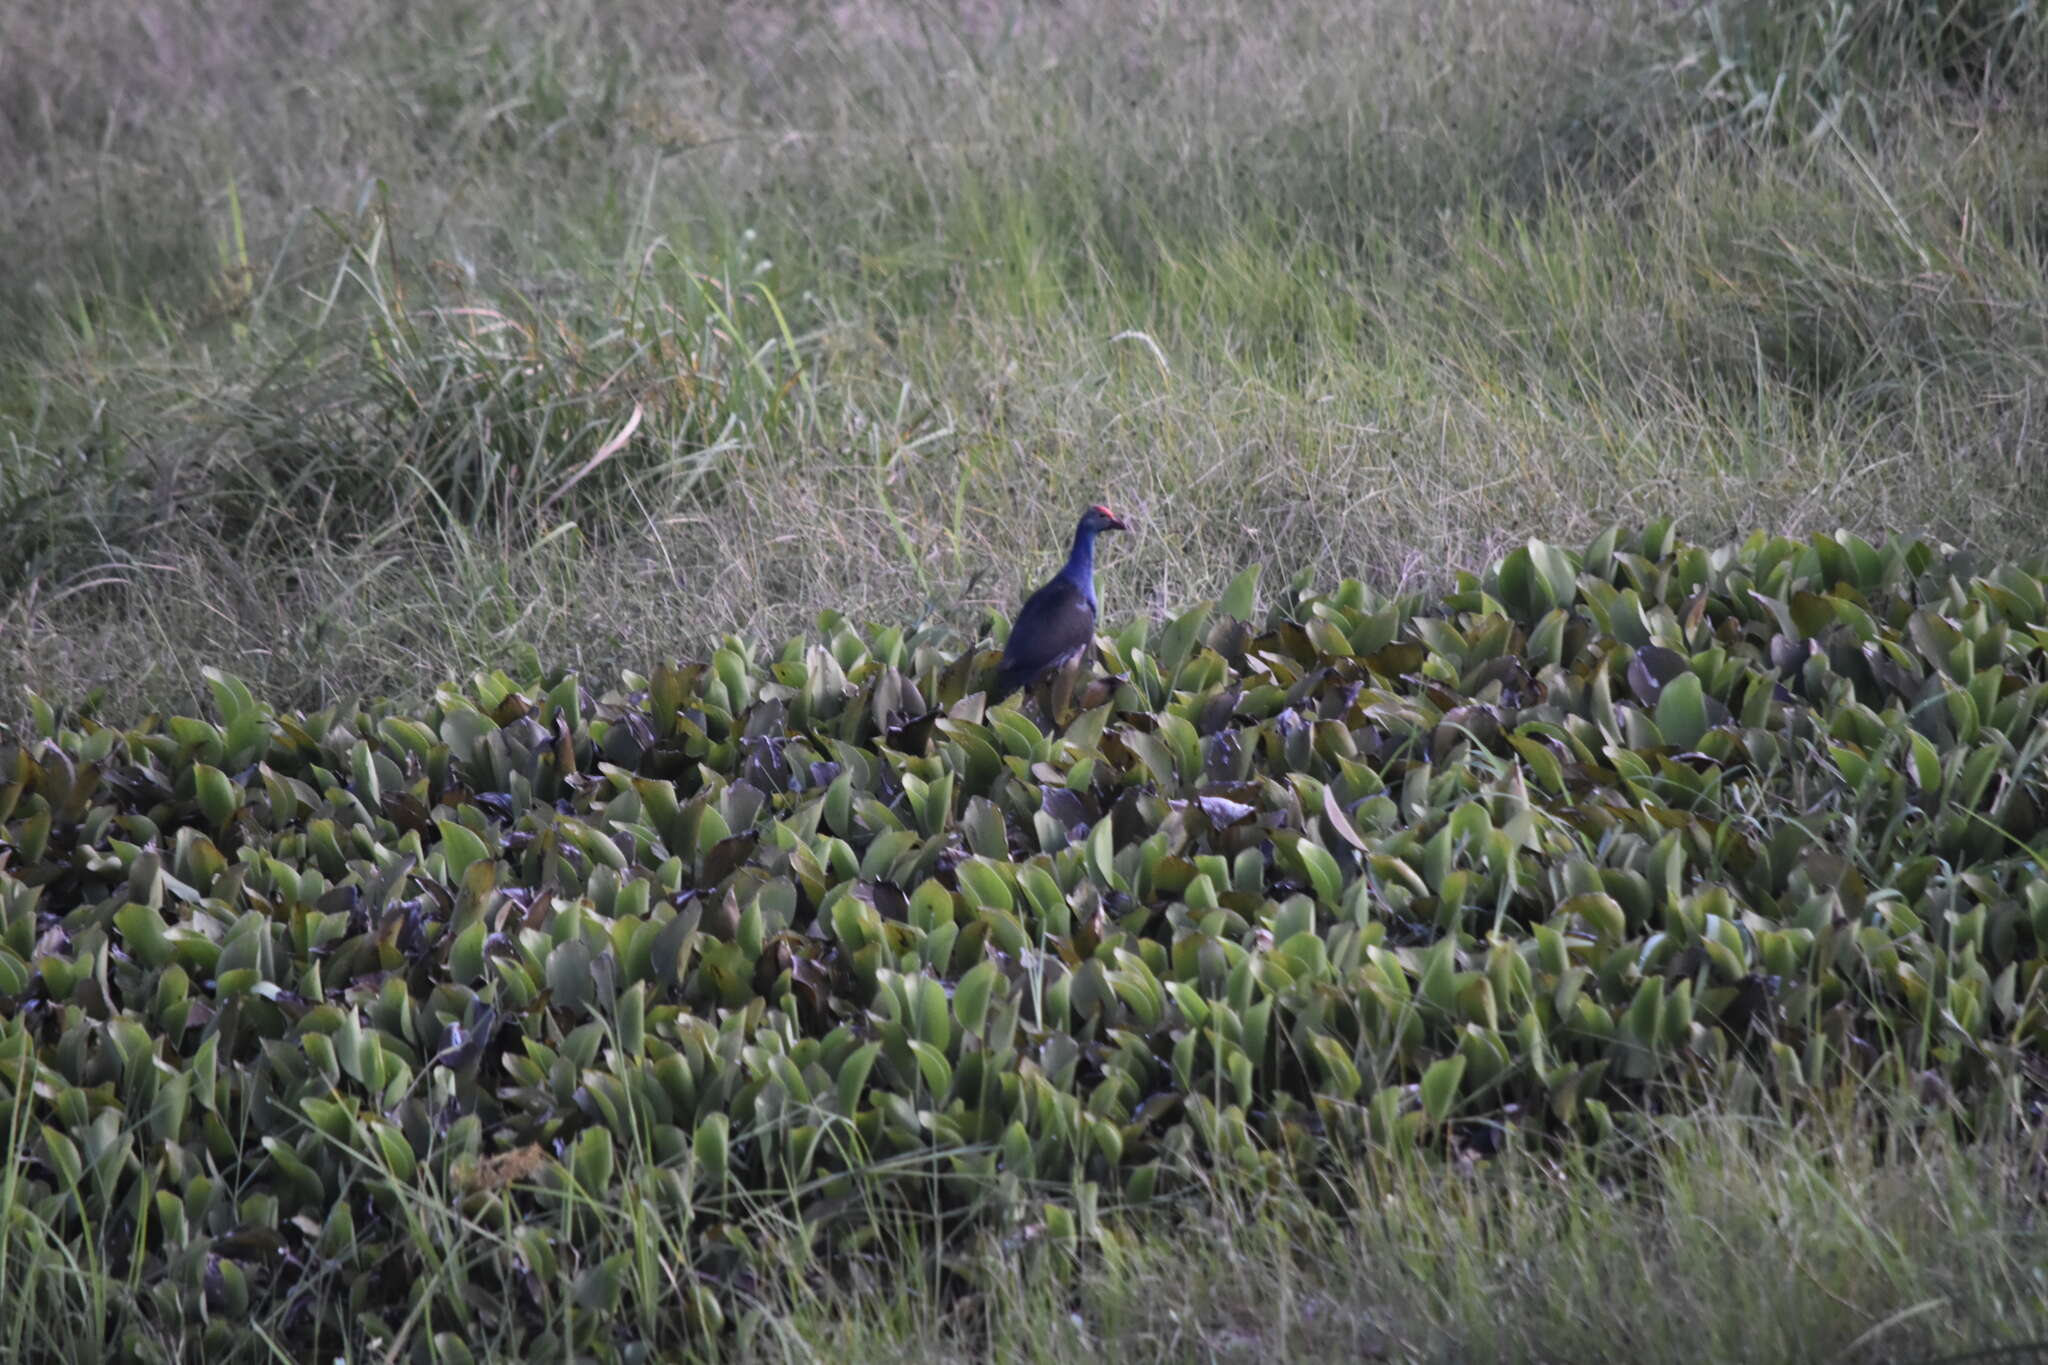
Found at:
<point>324,354</point>
<point>1726,1237</point>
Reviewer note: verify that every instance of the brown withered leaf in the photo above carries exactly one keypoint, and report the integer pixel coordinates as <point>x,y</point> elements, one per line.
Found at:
<point>496,1172</point>
<point>727,856</point>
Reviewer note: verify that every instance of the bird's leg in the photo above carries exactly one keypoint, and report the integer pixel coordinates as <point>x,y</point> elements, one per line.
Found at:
<point>1062,687</point>
<point>1040,691</point>
<point>1097,692</point>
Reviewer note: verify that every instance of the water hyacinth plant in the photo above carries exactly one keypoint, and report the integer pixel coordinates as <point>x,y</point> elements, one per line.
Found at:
<point>1595,836</point>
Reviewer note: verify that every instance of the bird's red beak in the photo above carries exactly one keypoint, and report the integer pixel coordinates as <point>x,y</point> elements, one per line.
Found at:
<point>1110,520</point>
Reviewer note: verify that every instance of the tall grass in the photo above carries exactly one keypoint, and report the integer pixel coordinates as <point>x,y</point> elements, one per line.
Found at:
<point>1723,1236</point>
<point>361,347</point>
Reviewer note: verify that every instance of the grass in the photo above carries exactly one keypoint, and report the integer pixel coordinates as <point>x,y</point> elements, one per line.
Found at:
<point>319,316</point>
<point>1722,1236</point>
<point>354,348</point>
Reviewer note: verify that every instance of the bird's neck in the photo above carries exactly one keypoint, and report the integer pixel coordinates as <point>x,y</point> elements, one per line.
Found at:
<point>1080,569</point>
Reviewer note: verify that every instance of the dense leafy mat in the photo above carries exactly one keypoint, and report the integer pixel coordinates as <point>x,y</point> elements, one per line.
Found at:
<point>1595,831</point>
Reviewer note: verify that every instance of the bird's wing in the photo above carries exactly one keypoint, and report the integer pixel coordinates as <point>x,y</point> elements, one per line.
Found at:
<point>1054,622</point>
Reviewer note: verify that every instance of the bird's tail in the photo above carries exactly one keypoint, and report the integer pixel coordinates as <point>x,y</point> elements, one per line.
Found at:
<point>1005,683</point>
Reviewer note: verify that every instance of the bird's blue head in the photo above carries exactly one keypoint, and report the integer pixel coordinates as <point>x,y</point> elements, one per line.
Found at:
<point>1080,569</point>
<point>1100,518</point>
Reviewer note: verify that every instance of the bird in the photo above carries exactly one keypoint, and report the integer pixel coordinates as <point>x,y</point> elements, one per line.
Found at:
<point>1057,622</point>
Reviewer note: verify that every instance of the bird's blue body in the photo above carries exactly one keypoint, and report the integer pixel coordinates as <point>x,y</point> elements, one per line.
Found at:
<point>1056,623</point>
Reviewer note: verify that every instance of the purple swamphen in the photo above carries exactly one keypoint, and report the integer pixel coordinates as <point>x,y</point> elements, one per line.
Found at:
<point>1057,622</point>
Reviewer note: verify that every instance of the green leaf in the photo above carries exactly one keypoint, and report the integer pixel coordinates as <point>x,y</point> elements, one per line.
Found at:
<point>1341,1076</point>
<point>931,905</point>
<point>1238,597</point>
<point>1516,585</point>
<point>1682,712</point>
<point>1323,873</point>
<point>466,953</point>
<point>460,848</point>
<point>60,976</point>
<point>568,973</point>
<point>1926,763</point>
<point>631,1021</point>
<point>396,1151</point>
<point>218,797</point>
<point>1599,556</point>
<point>712,1147</point>
<point>448,1347</point>
<point>143,934</point>
<point>853,1076</point>
<point>1101,853</point>
<point>592,1160</point>
<point>1601,913</point>
<point>932,1013</point>
<point>1646,1011</point>
<point>1522,590</point>
<point>32,839</point>
<point>363,769</point>
<point>971,996</point>
<point>933,1067</point>
<point>1178,641</point>
<point>1440,1086</point>
<point>1543,765</point>
<point>984,885</point>
<point>1553,568</point>
<point>599,1289</point>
